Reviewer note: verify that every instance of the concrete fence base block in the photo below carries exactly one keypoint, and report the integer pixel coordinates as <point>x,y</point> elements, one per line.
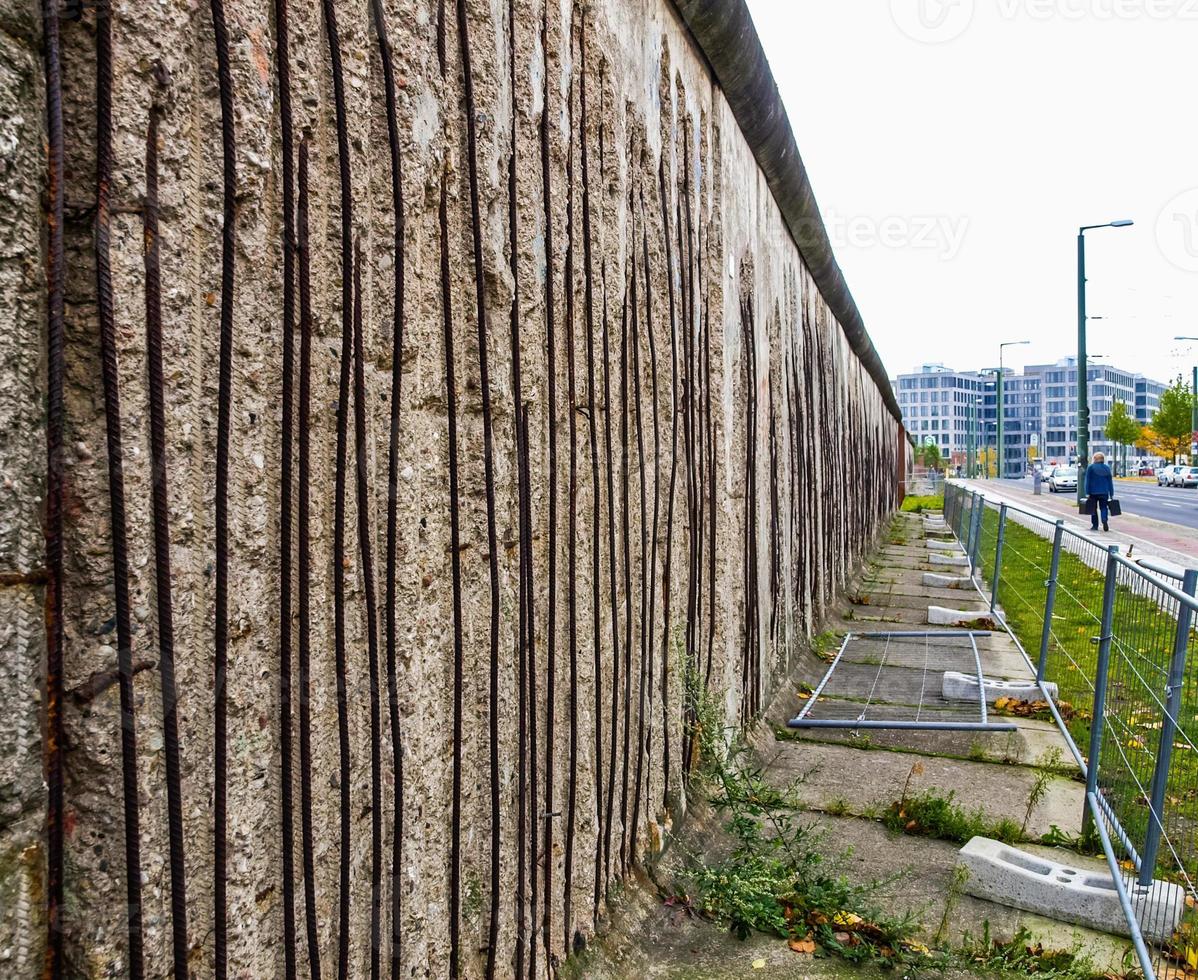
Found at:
<point>953,561</point>
<point>1002,874</point>
<point>935,524</point>
<point>946,581</point>
<point>955,686</point>
<point>941,616</point>
<point>944,546</point>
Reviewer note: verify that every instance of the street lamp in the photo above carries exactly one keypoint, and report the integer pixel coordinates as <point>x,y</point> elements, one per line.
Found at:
<point>1001,452</point>
<point>1193,393</point>
<point>1083,407</point>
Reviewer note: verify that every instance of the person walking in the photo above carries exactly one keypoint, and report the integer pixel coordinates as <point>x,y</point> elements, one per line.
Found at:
<point>1100,488</point>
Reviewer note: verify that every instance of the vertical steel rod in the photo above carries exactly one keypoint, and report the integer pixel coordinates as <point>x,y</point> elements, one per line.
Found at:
<point>1101,672</point>
<point>994,577</point>
<point>1050,601</point>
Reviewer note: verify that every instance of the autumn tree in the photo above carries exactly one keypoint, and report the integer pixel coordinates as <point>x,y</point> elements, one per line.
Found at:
<point>1171,422</point>
<point>1123,431</point>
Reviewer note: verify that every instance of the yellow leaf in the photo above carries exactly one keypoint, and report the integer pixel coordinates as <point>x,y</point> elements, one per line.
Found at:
<point>759,964</point>
<point>846,919</point>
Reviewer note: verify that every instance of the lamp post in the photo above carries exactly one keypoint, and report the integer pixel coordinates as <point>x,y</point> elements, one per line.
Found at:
<point>1001,452</point>
<point>1083,407</point>
<point>978,440</point>
<point>1193,394</point>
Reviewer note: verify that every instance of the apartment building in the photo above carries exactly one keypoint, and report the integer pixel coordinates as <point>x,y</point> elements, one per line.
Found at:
<point>1039,408</point>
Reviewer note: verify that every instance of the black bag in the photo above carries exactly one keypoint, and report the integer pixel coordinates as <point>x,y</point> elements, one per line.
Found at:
<point>1114,507</point>
<point>1088,505</point>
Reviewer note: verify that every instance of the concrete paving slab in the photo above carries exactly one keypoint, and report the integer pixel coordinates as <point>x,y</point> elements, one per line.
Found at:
<point>827,776</point>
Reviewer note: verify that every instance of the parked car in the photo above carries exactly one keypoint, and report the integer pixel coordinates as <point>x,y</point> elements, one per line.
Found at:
<point>1164,476</point>
<point>1188,477</point>
<point>1175,475</point>
<point>1062,478</point>
<point>1147,471</point>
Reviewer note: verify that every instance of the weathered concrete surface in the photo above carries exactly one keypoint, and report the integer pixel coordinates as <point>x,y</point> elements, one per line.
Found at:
<point>735,317</point>
<point>22,468</point>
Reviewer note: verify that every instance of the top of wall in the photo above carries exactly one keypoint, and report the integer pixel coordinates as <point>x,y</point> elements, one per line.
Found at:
<point>727,36</point>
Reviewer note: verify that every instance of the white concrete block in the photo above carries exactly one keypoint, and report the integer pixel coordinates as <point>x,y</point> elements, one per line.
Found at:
<point>947,581</point>
<point>935,522</point>
<point>953,561</point>
<point>944,546</point>
<point>956,686</point>
<point>1001,873</point>
<point>942,616</point>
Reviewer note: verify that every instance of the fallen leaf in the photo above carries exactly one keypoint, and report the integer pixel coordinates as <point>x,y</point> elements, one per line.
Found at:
<point>802,945</point>
<point>759,964</point>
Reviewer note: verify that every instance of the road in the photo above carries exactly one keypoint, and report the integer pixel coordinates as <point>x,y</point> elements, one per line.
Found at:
<point>1173,505</point>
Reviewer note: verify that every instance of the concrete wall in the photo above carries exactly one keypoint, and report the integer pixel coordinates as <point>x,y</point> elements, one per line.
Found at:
<point>752,460</point>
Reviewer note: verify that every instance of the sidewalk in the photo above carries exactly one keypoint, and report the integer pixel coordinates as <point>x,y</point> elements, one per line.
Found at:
<point>1137,537</point>
<point>847,782</point>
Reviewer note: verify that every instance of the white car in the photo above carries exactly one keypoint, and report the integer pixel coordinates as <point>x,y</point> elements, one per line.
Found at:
<point>1187,476</point>
<point>1166,474</point>
<point>1062,478</point>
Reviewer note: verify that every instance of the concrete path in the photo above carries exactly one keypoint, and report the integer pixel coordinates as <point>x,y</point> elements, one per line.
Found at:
<point>847,781</point>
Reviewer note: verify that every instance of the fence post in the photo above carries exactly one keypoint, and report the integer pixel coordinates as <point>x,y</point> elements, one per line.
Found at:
<point>1050,601</point>
<point>975,531</point>
<point>1164,752</point>
<point>1100,684</point>
<point>1002,528</point>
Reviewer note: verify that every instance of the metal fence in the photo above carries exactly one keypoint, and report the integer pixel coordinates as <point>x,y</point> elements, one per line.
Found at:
<point>1108,639</point>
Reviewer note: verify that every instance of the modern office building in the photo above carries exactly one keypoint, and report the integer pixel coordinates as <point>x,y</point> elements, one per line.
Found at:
<point>938,404</point>
<point>1148,398</point>
<point>1107,384</point>
<point>1039,409</point>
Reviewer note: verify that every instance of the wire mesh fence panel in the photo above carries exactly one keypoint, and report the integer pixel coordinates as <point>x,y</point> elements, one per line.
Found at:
<point>901,679</point>
<point>1147,772</point>
<point>1024,576</point>
<point>986,544</point>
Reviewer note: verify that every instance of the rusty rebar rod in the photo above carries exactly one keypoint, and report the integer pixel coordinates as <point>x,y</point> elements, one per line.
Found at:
<point>304,561</point>
<point>162,552</point>
<point>551,370</point>
<point>283,69</point>
<point>391,587</point>
<point>116,487</point>
<point>455,560</point>
<point>223,425</point>
<point>54,965</point>
<point>339,463</point>
<point>485,389</point>
<point>366,550</point>
<point>592,420</point>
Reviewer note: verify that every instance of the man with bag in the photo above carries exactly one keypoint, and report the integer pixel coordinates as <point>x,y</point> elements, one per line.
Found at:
<point>1100,489</point>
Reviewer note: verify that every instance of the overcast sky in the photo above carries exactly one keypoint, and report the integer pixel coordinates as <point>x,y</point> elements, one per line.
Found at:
<point>955,146</point>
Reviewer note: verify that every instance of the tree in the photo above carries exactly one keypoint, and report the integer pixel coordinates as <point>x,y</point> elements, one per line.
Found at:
<point>1122,429</point>
<point>1171,422</point>
<point>929,455</point>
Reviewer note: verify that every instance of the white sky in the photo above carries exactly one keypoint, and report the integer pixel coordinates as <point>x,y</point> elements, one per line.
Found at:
<point>954,171</point>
